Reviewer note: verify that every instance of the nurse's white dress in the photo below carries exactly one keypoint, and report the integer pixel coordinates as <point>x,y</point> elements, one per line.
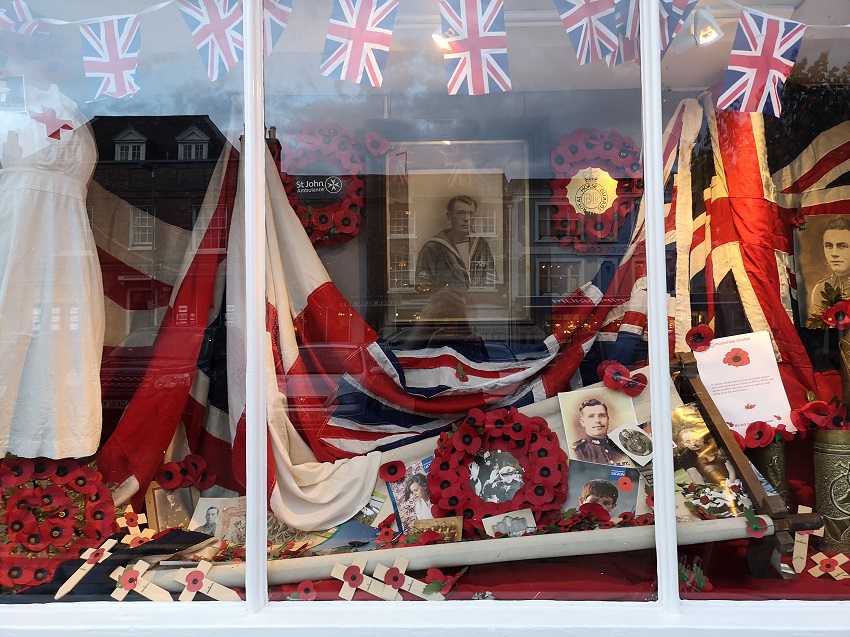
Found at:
<point>51,292</point>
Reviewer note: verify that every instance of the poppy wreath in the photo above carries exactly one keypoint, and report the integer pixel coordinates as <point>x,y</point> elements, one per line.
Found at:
<point>528,439</point>
<point>617,155</point>
<point>50,511</point>
<point>333,146</point>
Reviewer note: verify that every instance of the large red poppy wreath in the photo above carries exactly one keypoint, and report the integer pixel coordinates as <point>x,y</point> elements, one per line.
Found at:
<point>585,148</point>
<point>328,148</point>
<point>528,439</point>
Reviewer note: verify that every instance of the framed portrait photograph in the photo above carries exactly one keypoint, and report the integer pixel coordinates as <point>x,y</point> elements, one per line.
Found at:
<point>822,250</point>
<point>454,246</point>
<point>592,418</point>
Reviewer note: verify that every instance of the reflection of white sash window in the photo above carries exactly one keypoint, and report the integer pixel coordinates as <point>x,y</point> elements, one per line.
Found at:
<point>142,229</point>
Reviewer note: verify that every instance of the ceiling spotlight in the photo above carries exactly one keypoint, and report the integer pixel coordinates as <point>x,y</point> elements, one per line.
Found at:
<point>705,29</point>
<point>442,38</point>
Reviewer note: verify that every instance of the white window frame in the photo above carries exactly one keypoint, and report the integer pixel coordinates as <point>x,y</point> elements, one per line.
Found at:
<point>667,617</point>
<point>138,214</point>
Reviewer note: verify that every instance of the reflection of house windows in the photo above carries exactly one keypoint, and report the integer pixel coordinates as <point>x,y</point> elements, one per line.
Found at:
<point>401,222</point>
<point>192,144</point>
<point>141,229</point>
<point>401,270</point>
<point>209,228</point>
<point>559,277</point>
<point>484,224</point>
<point>129,145</point>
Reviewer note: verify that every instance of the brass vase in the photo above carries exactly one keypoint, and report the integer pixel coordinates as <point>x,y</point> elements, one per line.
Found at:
<point>832,487</point>
<point>771,463</point>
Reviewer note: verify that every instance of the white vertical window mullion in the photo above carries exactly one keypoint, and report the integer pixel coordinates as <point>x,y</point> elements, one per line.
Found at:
<point>253,158</point>
<point>659,354</point>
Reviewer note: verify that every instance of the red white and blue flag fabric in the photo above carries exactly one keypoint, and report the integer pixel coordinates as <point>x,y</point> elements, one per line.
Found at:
<point>358,40</point>
<point>110,56</point>
<point>216,27</point>
<point>628,33</point>
<point>591,26</point>
<point>19,18</point>
<point>763,54</point>
<point>477,58</point>
<point>673,14</point>
<point>275,18</point>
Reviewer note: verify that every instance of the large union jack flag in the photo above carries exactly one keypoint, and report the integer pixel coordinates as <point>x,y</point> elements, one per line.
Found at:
<point>477,58</point>
<point>19,18</point>
<point>216,27</point>
<point>110,56</point>
<point>275,18</point>
<point>591,26</point>
<point>358,40</point>
<point>763,54</point>
<point>673,14</point>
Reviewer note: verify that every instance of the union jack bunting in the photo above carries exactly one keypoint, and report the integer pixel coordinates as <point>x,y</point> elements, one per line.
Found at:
<point>628,31</point>
<point>19,18</point>
<point>358,40</point>
<point>591,26</point>
<point>477,60</point>
<point>110,56</point>
<point>216,27</point>
<point>763,54</point>
<point>275,18</point>
<point>673,14</point>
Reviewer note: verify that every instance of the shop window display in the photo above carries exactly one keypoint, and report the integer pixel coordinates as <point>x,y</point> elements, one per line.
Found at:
<point>448,417</point>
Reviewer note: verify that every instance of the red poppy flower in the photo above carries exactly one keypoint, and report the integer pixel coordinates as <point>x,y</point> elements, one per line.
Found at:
<point>436,575</point>
<point>544,471</point>
<point>539,494</point>
<point>838,416</point>
<point>138,540</point>
<point>784,432</point>
<point>36,541</point>
<point>376,144</point>
<point>625,484</point>
<point>129,579</point>
<point>595,510</point>
<point>467,440</point>
<point>66,470</point>
<point>346,220</point>
<point>392,471</point>
<point>195,461</point>
<point>194,581</point>
<point>838,315</point>
<point>615,375</point>
<point>8,479</point>
<point>759,434</point>
<point>799,219</point>
<point>204,479</point>
<point>386,534</point>
<point>54,497</point>
<point>562,156</point>
<point>736,357</point>
<point>756,530</point>
<point>600,369</point>
<point>131,519</point>
<point>627,516</point>
<point>699,338</point>
<point>495,422</point>
<point>42,570</point>
<point>24,499</point>
<point>828,565</point>
<point>21,468</point>
<point>169,476</point>
<point>102,516</point>
<point>454,496</point>
<point>307,591</point>
<point>353,576</point>
<point>323,219</point>
<point>16,570</point>
<point>650,500</point>
<point>187,475</point>
<point>598,226</point>
<point>86,480</point>
<point>429,537</point>
<point>56,534</point>
<point>635,385</point>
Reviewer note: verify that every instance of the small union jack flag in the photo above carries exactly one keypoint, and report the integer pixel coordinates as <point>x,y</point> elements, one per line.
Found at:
<point>477,59</point>
<point>673,14</point>
<point>358,40</point>
<point>216,27</point>
<point>591,26</point>
<point>110,56</point>
<point>19,18</point>
<point>275,18</point>
<point>763,54</point>
<point>628,33</point>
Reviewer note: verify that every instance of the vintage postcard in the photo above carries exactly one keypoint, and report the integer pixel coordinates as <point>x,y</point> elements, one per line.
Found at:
<point>634,442</point>
<point>410,496</point>
<point>450,529</point>
<point>512,523</point>
<point>591,416</point>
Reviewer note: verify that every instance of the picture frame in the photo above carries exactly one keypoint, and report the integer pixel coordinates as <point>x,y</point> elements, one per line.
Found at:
<point>819,260</point>
<point>429,163</point>
<point>170,508</point>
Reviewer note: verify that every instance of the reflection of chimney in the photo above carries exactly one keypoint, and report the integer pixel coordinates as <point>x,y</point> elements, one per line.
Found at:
<point>274,145</point>
<point>272,132</point>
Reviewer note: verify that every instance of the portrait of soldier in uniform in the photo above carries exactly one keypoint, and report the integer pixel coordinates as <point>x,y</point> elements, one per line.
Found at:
<point>596,446</point>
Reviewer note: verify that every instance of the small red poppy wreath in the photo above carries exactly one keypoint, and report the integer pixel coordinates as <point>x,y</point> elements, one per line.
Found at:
<point>392,471</point>
<point>585,148</point>
<point>736,357</point>
<point>699,338</point>
<point>537,451</point>
<point>316,148</point>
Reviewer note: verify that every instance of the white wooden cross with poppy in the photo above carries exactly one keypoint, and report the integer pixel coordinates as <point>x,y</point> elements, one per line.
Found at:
<point>131,578</point>
<point>131,521</point>
<point>801,543</point>
<point>829,565</point>
<point>395,580</point>
<point>354,576</point>
<point>197,580</point>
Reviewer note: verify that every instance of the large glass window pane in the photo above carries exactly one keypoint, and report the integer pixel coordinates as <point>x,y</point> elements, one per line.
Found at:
<point>455,246</point>
<point>756,187</point>
<point>122,382</point>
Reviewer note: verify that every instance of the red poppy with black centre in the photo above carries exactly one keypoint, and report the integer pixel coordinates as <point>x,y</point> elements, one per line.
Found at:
<point>699,337</point>
<point>635,385</point>
<point>20,523</point>
<point>25,499</point>
<point>376,143</point>
<point>16,570</point>
<point>168,476</point>
<point>615,375</point>
<point>21,468</point>
<point>129,580</point>
<point>838,416</point>
<point>57,535</point>
<point>353,576</point>
<point>195,461</point>
<point>625,484</point>
<point>205,479</point>
<point>386,534</point>
<point>195,581</point>
<point>466,439</point>
<point>36,541</point>
<point>85,481</point>
<point>759,434</point>
<point>187,475</point>
<point>828,565</point>
<point>41,571</point>
<point>838,315</point>
<point>599,226</point>
<point>539,494</point>
<point>346,220</point>
<point>736,357</point>
<point>66,470</point>
<point>323,219</point>
<point>392,471</point>
<point>307,591</point>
